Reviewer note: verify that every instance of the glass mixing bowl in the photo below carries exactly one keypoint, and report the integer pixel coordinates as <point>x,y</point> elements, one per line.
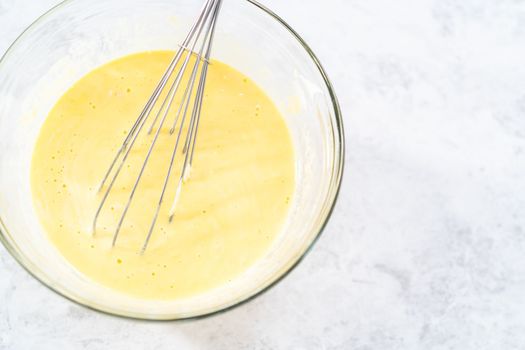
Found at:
<point>78,35</point>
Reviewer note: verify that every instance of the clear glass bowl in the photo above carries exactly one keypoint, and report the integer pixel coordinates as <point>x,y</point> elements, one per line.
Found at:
<point>79,35</point>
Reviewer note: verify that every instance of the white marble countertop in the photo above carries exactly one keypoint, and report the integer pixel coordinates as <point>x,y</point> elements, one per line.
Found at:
<point>426,248</point>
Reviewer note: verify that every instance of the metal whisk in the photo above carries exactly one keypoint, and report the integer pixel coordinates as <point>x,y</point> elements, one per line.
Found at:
<point>200,36</point>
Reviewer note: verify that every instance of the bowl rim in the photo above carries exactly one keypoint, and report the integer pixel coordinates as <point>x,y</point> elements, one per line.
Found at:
<point>330,199</point>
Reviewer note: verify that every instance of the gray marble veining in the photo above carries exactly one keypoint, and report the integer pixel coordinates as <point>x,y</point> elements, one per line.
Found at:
<point>425,249</point>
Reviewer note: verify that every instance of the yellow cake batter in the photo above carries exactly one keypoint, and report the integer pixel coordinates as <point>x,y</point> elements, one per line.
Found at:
<point>229,212</point>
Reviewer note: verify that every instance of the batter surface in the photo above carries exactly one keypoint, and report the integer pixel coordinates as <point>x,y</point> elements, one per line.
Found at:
<point>229,212</point>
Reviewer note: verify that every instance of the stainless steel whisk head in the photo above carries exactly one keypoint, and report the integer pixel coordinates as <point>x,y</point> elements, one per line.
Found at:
<point>198,43</point>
